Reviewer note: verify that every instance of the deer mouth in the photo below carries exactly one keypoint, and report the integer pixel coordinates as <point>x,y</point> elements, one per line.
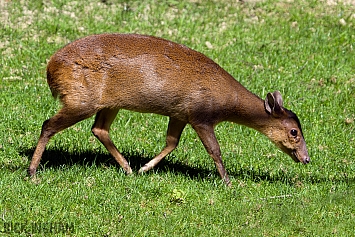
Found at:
<point>298,158</point>
<point>294,156</point>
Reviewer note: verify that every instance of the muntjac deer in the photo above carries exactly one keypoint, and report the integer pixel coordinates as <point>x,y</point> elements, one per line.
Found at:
<point>101,74</point>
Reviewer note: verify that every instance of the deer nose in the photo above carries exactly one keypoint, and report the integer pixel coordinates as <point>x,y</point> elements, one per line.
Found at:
<point>306,160</point>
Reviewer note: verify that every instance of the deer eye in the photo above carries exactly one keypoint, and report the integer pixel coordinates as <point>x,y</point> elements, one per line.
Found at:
<point>293,132</point>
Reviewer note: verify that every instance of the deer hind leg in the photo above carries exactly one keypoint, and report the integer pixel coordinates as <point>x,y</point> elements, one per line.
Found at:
<point>175,129</point>
<point>100,129</point>
<point>65,118</point>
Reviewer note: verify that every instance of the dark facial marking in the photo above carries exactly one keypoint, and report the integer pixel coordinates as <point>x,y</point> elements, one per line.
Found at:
<point>294,116</point>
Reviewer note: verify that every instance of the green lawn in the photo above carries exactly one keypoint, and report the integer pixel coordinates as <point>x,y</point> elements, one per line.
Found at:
<point>304,49</point>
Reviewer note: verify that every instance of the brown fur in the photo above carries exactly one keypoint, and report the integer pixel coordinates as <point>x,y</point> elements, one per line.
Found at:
<point>101,74</point>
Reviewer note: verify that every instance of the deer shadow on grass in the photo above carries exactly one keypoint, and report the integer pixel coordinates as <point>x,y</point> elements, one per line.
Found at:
<point>56,158</point>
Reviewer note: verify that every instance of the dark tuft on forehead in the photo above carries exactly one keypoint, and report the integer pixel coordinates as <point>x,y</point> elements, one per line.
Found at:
<point>294,116</point>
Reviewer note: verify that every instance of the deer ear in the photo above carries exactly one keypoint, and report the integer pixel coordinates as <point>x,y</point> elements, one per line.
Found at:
<point>274,103</point>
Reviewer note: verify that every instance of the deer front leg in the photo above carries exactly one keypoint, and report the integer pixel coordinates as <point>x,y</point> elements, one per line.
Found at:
<point>175,129</point>
<point>209,140</point>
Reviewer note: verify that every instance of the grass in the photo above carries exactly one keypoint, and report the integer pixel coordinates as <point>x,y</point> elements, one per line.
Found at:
<point>305,49</point>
